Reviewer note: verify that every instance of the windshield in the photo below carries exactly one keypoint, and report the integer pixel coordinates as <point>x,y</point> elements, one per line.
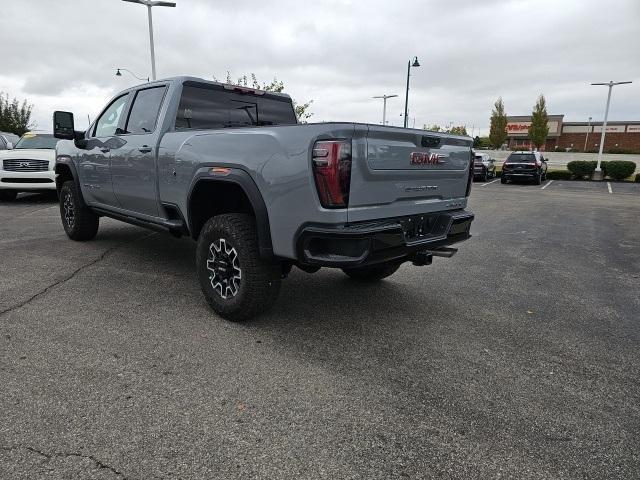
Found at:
<point>37,141</point>
<point>521,158</point>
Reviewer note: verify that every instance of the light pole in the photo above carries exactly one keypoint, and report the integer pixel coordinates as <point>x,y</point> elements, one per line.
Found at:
<point>586,138</point>
<point>597,175</point>
<point>149,4</point>
<point>384,106</point>
<point>406,97</point>
<point>119,74</point>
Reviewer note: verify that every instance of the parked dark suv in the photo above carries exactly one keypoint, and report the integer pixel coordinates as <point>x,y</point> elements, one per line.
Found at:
<point>524,166</point>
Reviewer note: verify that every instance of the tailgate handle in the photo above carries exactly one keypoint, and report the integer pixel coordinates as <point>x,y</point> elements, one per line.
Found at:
<point>432,142</point>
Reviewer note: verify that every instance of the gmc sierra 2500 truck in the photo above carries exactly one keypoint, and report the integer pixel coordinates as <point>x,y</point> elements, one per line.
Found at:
<point>232,168</point>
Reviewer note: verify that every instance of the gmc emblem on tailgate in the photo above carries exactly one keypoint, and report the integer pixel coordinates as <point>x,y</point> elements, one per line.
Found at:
<point>422,158</point>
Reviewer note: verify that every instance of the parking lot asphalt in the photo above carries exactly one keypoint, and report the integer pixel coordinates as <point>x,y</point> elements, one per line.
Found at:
<point>517,358</point>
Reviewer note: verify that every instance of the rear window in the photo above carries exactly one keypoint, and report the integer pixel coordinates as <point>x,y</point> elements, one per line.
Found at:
<point>206,107</point>
<point>521,158</point>
<point>478,158</point>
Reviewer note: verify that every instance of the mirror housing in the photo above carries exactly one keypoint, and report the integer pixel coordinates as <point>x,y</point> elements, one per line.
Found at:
<point>64,129</point>
<point>9,146</point>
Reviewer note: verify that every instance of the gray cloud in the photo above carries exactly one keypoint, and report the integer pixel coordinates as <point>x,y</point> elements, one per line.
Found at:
<point>64,54</point>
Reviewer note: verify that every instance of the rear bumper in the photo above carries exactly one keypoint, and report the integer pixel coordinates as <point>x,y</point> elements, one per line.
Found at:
<point>520,173</point>
<point>24,181</point>
<point>366,243</point>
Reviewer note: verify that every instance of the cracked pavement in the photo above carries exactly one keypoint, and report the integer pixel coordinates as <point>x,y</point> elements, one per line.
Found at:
<point>517,358</point>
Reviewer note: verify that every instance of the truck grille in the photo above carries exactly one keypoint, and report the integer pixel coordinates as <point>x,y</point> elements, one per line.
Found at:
<point>19,165</point>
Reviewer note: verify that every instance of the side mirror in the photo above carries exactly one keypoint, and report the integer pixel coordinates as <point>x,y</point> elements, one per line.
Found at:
<point>9,146</point>
<point>63,125</point>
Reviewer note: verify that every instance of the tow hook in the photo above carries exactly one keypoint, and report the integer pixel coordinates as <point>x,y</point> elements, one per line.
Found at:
<point>422,258</point>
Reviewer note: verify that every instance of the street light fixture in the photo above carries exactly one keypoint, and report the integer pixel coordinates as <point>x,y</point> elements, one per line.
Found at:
<point>598,173</point>
<point>384,106</point>
<point>149,4</point>
<point>119,74</point>
<point>406,98</point>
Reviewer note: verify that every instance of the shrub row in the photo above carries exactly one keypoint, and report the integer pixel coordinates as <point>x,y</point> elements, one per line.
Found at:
<point>637,177</point>
<point>616,169</point>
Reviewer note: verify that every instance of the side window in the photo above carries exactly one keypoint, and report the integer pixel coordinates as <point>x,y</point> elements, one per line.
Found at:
<point>144,113</point>
<point>108,121</point>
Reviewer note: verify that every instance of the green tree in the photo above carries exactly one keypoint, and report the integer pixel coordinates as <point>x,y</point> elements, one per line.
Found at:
<point>458,130</point>
<point>477,143</point>
<point>498,129</point>
<point>301,109</point>
<point>15,117</point>
<point>432,128</point>
<point>539,128</point>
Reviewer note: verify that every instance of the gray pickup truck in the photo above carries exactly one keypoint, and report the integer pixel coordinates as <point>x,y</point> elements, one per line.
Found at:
<point>231,168</point>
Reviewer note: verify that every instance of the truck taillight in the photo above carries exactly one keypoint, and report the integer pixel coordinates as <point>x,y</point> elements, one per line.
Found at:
<point>469,178</point>
<point>332,172</point>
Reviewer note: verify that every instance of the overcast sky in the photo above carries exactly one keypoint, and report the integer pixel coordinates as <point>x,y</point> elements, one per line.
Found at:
<point>63,54</point>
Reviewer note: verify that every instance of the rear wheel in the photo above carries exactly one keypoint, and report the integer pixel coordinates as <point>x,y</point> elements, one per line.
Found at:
<point>236,282</point>
<point>8,195</point>
<point>503,180</point>
<point>485,177</point>
<point>537,179</point>
<point>79,221</point>
<point>372,273</point>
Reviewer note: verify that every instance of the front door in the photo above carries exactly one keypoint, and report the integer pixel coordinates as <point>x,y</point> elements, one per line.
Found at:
<point>94,163</point>
<point>133,165</point>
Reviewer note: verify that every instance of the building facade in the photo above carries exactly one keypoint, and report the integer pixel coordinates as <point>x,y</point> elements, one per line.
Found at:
<point>576,136</point>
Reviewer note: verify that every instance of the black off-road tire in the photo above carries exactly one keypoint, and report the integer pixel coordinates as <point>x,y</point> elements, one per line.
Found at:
<point>8,195</point>
<point>240,284</point>
<point>372,273</point>
<point>79,221</point>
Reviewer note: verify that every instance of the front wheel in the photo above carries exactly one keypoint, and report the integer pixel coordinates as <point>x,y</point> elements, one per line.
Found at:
<point>236,282</point>
<point>372,273</point>
<point>8,195</point>
<point>503,180</point>
<point>79,221</point>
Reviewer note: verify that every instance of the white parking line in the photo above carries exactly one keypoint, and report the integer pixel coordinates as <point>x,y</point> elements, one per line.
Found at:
<point>609,187</point>
<point>548,183</point>
<point>493,181</point>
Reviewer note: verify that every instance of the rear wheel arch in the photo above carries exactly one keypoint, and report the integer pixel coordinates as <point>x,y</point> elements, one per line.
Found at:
<point>234,193</point>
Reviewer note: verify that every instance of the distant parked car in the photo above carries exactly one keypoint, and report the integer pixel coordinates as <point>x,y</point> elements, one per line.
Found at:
<point>29,166</point>
<point>524,166</point>
<point>484,166</point>
<point>8,140</point>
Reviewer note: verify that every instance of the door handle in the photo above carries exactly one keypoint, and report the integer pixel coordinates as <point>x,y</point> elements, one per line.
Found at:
<point>105,150</point>
<point>144,149</point>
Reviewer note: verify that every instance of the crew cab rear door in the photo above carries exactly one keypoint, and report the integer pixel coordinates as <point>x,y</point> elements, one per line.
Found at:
<point>397,172</point>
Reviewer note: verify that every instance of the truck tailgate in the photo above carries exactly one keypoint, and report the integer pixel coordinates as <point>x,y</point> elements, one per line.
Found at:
<point>398,172</point>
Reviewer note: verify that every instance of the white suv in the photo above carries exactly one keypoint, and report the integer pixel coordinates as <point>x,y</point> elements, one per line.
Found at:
<point>29,166</point>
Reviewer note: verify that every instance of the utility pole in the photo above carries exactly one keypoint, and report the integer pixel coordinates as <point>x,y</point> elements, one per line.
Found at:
<point>406,96</point>
<point>597,175</point>
<point>384,106</point>
<point>586,138</point>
